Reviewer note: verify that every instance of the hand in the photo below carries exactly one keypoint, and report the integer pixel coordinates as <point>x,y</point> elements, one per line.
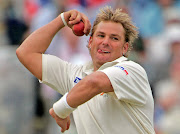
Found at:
<point>73,17</point>
<point>63,123</point>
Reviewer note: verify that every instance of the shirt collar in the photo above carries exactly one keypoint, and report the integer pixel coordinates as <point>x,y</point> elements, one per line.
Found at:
<point>120,59</point>
<point>88,67</point>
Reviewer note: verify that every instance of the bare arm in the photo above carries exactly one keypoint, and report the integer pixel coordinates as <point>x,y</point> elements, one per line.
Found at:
<point>89,87</point>
<point>30,51</point>
<point>86,89</point>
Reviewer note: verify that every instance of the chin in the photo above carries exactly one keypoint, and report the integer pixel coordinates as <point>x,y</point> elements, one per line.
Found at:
<point>102,61</point>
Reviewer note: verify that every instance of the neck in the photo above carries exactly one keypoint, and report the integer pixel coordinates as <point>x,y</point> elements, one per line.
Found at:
<point>97,66</point>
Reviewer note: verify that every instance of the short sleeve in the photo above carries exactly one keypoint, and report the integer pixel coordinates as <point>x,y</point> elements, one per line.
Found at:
<point>55,73</point>
<point>130,83</point>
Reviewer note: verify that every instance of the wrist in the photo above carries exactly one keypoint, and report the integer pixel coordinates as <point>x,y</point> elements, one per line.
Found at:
<point>63,19</point>
<point>62,108</point>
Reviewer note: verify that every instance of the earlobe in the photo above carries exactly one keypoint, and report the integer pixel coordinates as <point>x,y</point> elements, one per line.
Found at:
<point>89,45</point>
<point>125,48</point>
<point>90,40</point>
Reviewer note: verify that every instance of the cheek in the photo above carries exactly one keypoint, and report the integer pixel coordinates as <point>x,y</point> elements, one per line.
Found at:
<point>118,48</point>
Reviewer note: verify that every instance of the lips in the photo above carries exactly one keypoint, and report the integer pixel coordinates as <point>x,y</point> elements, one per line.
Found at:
<point>102,51</point>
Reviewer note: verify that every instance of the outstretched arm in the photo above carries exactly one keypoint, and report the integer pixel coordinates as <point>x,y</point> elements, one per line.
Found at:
<point>30,51</point>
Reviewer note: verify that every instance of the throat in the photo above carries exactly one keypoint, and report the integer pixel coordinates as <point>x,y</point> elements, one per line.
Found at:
<point>97,65</point>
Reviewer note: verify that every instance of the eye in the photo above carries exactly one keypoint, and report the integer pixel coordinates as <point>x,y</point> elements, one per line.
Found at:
<point>115,38</point>
<point>100,35</point>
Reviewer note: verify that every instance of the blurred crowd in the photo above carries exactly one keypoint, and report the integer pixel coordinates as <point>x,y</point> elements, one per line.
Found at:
<point>25,102</point>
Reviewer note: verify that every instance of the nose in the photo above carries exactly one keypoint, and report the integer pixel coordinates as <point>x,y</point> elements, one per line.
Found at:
<point>106,41</point>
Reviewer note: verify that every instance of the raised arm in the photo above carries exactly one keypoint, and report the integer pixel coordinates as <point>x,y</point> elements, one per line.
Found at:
<point>30,51</point>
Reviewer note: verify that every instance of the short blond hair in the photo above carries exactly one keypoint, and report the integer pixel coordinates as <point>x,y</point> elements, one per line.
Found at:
<point>117,16</point>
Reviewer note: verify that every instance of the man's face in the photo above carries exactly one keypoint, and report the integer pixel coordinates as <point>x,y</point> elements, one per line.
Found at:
<point>107,43</point>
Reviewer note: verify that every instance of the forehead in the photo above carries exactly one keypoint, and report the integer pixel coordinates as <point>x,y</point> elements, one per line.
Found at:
<point>109,27</point>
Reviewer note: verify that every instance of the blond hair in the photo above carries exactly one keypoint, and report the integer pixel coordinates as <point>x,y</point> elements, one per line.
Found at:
<point>117,16</point>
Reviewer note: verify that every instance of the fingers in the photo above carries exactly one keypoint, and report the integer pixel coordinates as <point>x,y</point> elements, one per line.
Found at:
<point>87,26</point>
<point>59,121</point>
<point>76,17</point>
<point>68,123</point>
<point>52,113</point>
<point>63,123</point>
<point>64,126</point>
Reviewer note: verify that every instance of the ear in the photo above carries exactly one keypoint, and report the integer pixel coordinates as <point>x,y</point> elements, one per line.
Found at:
<point>90,42</point>
<point>125,47</point>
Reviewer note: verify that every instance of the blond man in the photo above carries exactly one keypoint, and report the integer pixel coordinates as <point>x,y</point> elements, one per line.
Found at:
<point>109,95</point>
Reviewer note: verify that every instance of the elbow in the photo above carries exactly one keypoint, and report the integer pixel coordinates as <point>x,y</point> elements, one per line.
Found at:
<point>18,53</point>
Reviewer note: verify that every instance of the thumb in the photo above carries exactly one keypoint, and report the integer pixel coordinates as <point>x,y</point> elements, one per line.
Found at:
<point>51,112</point>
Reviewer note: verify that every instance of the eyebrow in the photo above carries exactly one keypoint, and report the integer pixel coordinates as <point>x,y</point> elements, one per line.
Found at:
<point>100,32</point>
<point>116,35</point>
<point>111,34</point>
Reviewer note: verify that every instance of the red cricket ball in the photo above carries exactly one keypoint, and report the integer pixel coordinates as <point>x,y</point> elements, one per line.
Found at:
<point>78,29</point>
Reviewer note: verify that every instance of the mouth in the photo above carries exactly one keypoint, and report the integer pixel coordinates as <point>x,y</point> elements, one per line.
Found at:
<point>103,51</point>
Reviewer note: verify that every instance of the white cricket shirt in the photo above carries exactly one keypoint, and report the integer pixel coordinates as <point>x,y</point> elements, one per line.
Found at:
<point>127,110</point>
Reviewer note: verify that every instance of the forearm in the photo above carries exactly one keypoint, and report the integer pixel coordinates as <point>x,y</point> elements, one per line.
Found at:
<point>89,87</point>
<point>30,51</point>
<point>83,91</point>
<point>79,94</point>
<point>40,40</point>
